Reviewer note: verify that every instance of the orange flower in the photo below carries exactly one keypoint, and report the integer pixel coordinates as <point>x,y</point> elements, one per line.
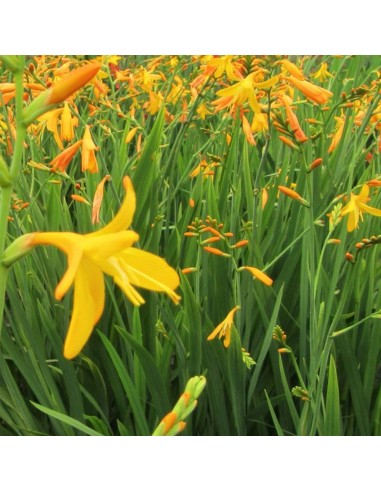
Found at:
<point>311,91</point>
<point>89,161</point>
<point>61,162</point>
<point>293,122</point>
<point>336,137</point>
<point>98,198</point>
<point>247,131</point>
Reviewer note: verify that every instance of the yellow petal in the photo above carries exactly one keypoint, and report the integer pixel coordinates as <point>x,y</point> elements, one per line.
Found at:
<point>216,331</point>
<point>89,296</point>
<point>149,271</point>
<point>259,275</point>
<point>364,193</point>
<point>353,219</point>
<point>369,210</point>
<point>123,218</point>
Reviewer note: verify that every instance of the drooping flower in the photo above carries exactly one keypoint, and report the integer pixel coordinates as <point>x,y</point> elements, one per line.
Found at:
<point>357,206</point>
<point>224,328</point>
<point>106,251</point>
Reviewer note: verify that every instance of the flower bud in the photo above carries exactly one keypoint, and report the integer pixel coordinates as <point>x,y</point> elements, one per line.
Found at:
<point>19,248</point>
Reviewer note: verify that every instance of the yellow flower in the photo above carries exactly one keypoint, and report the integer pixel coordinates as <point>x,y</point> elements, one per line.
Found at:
<point>224,328</point>
<point>106,251</point>
<point>89,161</point>
<point>356,206</point>
<point>243,91</point>
<point>67,124</point>
<point>322,73</point>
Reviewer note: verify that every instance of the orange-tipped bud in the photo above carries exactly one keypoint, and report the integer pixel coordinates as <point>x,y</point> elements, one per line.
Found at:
<point>349,257</point>
<point>190,234</point>
<point>315,164</point>
<point>294,195</point>
<point>334,241</point>
<point>191,202</point>
<point>284,351</point>
<point>188,270</point>
<point>287,141</point>
<point>79,198</point>
<point>240,244</point>
<point>72,82</point>
<point>212,230</point>
<point>212,239</point>
<point>215,251</point>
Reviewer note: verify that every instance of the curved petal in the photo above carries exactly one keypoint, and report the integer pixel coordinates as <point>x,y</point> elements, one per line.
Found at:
<point>353,219</point>
<point>370,210</point>
<point>123,218</point>
<point>71,244</point>
<point>364,193</point>
<point>149,271</point>
<point>89,297</point>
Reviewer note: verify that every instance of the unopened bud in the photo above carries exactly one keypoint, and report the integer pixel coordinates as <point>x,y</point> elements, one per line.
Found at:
<point>19,248</point>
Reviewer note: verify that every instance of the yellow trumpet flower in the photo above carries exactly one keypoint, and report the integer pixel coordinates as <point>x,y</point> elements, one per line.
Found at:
<point>356,206</point>
<point>106,251</point>
<point>224,328</point>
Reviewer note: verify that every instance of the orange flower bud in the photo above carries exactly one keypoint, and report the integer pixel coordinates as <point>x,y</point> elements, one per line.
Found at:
<point>240,244</point>
<point>72,82</point>
<point>215,251</point>
<point>349,257</point>
<point>293,194</point>
<point>188,270</point>
<point>212,239</point>
<point>287,141</point>
<point>334,241</point>
<point>79,198</point>
<point>315,164</point>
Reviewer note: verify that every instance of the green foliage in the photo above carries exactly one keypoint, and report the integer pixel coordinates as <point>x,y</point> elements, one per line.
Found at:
<point>318,373</point>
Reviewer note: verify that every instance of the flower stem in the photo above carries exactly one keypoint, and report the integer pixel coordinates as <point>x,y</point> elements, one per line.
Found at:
<point>6,192</point>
